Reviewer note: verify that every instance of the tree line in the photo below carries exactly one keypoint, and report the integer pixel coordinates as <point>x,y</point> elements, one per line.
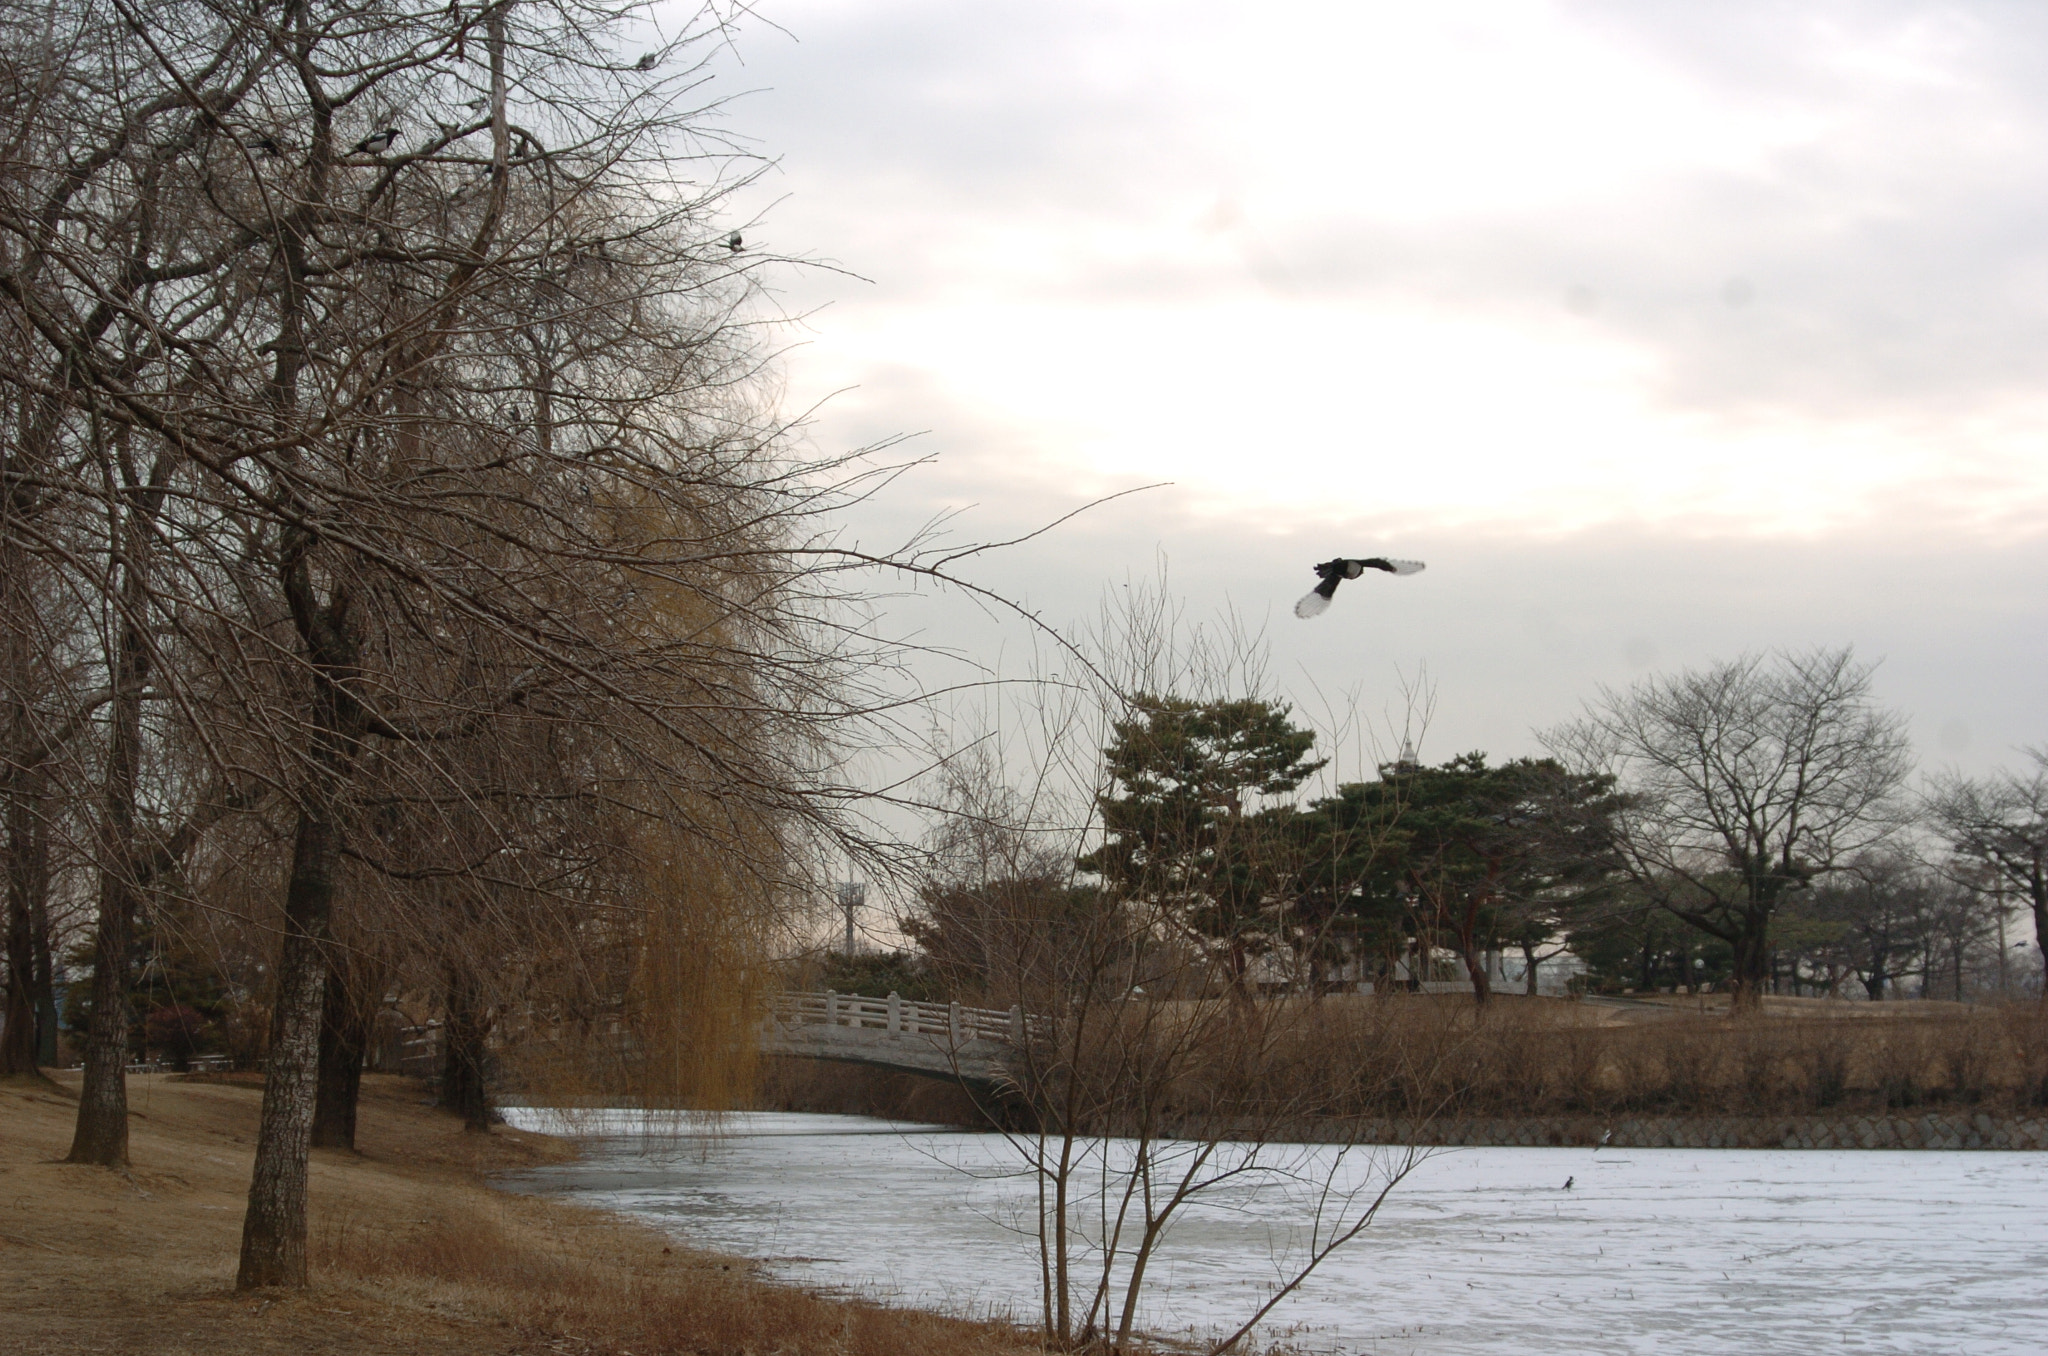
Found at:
<point>1749,827</point>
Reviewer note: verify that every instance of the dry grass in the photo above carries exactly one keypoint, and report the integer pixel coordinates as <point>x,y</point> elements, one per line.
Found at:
<point>1534,1058</point>
<point>412,1252</point>
<point>1413,1058</point>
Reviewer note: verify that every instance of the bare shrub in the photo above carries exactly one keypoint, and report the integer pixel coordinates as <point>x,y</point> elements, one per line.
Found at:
<point>2026,1029</point>
<point>1824,1059</point>
<point>1966,1058</point>
<point>1580,1064</point>
<point>1757,1053</point>
<point>1640,1070</point>
<point>1899,1058</point>
<point>1696,1067</point>
<point>1520,1048</point>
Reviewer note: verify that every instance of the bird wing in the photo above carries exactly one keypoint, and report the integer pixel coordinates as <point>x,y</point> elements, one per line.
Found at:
<point>1392,566</point>
<point>1313,604</point>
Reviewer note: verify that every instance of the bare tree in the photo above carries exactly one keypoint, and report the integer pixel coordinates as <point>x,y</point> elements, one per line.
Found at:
<point>2001,822</point>
<point>403,351</point>
<point>385,381</point>
<point>1879,901</point>
<point>1154,1079</point>
<point>1742,783</point>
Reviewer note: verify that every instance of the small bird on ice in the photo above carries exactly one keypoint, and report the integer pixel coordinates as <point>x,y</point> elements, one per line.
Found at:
<point>1568,1182</point>
<point>376,143</point>
<point>1334,572</point>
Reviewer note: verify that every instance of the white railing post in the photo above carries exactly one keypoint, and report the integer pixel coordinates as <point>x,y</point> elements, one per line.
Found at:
<point>953,1023</point>
<point>895,1013</point>
<point>1016,1024</point>
<point>831,1008</point>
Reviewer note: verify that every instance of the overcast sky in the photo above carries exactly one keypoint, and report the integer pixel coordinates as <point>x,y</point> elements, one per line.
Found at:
<point>1661,331</point>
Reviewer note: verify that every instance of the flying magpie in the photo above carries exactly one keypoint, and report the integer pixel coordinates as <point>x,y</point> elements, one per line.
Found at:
<point>1334,572</point>
<point>376,143</point>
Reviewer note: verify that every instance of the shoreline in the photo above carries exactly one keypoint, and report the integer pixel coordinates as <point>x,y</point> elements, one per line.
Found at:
<point>413,1250</point>
<point>1930,1132</point>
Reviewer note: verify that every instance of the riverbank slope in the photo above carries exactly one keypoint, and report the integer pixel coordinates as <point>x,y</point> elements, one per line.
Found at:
<point>413,1252</point>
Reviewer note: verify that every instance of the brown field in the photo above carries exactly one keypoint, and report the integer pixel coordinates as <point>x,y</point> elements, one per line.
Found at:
<point>413,1253</point>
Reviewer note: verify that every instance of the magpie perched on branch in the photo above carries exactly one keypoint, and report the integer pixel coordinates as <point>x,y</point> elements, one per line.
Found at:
<point>376,143</point>
<point>648,62</point>
<point>735,242</point>
<point>1334,572</point>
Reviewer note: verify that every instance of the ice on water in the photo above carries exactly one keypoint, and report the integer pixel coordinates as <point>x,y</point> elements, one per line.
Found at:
<point>1481,1252</point>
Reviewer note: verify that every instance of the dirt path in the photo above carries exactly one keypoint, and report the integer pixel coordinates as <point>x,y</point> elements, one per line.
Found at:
<point>412,1252</point>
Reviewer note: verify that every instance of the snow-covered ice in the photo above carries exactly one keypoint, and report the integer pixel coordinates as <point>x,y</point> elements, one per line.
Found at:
<point>1480,1252</point>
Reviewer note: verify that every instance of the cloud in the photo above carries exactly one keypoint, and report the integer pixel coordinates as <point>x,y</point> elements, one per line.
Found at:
<point>1853,172</point>
<point>1663,330</point>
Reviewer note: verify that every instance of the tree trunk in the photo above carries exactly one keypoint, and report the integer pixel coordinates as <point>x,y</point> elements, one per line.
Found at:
<point>462,1062</point>
<point>274,1229</point>
<point>44,973</point>
<point>18,1045</point>
<point>1529,971</point>
<point>18,1021</point>
<point>344,1044</point>
<point>2040,901</point>
<point>101,1136</point>
<point>101,1133</point>
<point>1475,969</point>
<point>1752,974</point>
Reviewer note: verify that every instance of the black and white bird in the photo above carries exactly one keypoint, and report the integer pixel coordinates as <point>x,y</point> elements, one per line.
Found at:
<point>1568,1182</point>
<point>648,62</point>
<point>1334,572</point>
<point>734,243</point>
<point>376,143</point>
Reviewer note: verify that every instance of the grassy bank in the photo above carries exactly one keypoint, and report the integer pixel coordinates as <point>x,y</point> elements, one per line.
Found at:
<point>413,1253</point>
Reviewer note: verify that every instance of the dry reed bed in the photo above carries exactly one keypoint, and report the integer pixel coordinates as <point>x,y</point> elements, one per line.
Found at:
<point>1411,1059</point>
<point>1405,1058</point>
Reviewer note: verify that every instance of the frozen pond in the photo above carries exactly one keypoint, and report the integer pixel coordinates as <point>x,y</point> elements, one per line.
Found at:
<point>1481,1252</point>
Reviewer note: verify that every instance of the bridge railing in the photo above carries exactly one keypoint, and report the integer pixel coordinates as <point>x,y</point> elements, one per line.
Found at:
<point>900,1016</point>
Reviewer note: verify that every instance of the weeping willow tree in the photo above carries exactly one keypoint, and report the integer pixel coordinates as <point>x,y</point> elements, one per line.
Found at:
<point>397,378</point>
<point>663,1010</point>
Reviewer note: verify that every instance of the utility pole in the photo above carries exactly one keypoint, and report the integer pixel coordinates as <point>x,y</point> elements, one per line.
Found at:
<point>852,894</point>
<point>1998,907</point>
